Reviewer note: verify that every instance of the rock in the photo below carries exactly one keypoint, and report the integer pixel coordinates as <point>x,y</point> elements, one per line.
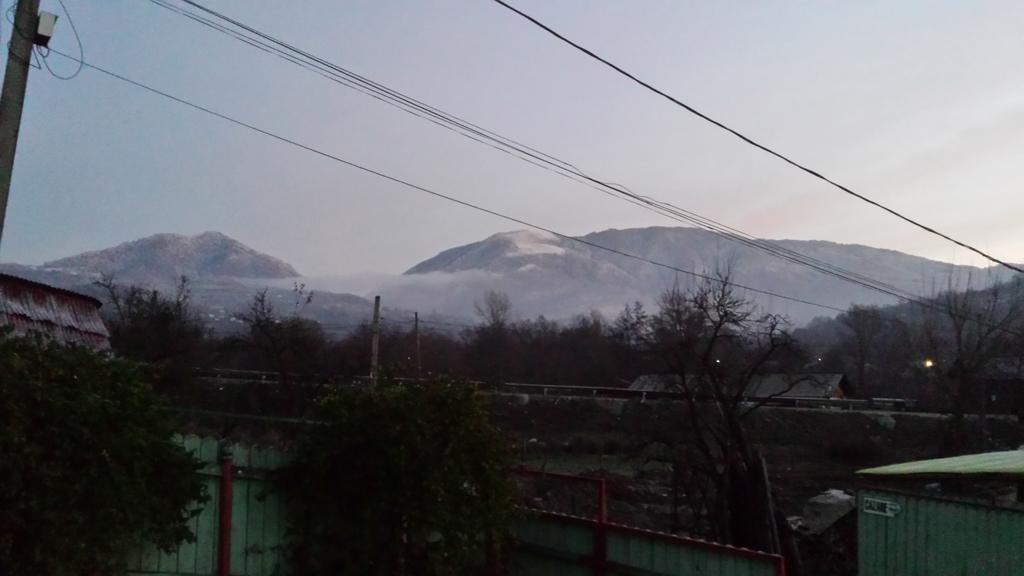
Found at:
<point>885,421</point>
<point>824,510</point>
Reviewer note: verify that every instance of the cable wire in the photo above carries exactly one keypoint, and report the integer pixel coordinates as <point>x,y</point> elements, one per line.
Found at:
<point>516,149</point>
<point>925,304</point>
<point>756,144</point>
<point>436,194</point>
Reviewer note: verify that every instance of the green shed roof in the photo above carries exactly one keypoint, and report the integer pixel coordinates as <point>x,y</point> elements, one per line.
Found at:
<point>1009,463</point>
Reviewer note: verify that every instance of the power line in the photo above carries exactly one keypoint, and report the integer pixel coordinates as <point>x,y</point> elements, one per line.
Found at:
<point>349,79</point>
<point>436,322</point>
<point>386,321</point>
<point>756,144</point>
<point>434,193</point>
<point>925,304</point>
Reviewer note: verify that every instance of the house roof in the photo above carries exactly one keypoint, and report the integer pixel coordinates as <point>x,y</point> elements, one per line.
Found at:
<point>655,383</point>
<point>1008,464</point>
<point>65,316</point>
<point>796,385</point>
<point>761,386</point>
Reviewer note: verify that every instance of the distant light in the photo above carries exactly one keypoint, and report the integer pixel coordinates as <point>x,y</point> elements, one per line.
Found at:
<point>819,359</point>
<point>928,363</point>
<point>717,361</point>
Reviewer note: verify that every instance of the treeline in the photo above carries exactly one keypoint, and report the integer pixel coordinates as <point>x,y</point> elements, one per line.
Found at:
<point>166,332</point>
<point>959,351</point>
<point>942,352</point>
<point>588,350</point>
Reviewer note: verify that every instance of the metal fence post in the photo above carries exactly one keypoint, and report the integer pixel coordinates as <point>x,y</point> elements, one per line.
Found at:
<point>227,470</point>
<point>601,530</point>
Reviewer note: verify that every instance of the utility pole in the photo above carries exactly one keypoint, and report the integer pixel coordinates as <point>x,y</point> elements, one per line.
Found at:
<point>26,21</point>
<point>375,346</point>
<point>416,331</point>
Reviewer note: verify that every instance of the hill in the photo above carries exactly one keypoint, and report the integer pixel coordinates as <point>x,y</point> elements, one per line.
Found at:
<point>558,277</point>
<point>162,258</point>
<point>224,275</point>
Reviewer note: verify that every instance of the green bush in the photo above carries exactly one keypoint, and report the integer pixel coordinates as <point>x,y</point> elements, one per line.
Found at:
<point>88,469</point>
<point>403,479</point>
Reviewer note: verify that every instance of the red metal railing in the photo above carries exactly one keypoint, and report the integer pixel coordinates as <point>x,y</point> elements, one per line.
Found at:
<point>600,527</point>
<point>227,473</point>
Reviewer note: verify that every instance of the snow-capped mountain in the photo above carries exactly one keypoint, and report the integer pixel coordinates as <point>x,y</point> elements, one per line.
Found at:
<point>223,275</point>
<point>164,258</point>
<point>542,273</point>
<point>559,277</point>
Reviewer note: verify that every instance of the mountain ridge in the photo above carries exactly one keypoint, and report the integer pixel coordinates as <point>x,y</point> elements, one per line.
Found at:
<point>161,258</point>
<point>529,265</point>
<point>223,273</point>
<point>544,274</point>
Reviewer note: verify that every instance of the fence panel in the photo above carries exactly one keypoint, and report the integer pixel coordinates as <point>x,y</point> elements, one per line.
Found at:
<point>544,542</point>
<point>652,553</point>
<point>544,548</point>
<point>257,524</point>
<point>551,543</point>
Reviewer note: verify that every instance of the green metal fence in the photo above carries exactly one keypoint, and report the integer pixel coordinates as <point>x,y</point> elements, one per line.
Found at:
<point>556,544</point>
<point>256,522</point>
<point>910,535</point>
<point>240,531</point>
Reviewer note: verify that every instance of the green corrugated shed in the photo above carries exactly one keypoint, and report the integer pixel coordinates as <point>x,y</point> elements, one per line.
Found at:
<point>903,534</point>
<point>915,535</point>
<point>1008,464</point>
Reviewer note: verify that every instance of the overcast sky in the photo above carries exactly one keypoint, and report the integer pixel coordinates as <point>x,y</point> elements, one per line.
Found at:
<point>919,105</point>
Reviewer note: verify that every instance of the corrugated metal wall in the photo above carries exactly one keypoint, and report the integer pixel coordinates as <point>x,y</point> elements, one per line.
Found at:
<point>546,543</point>
<point>257,524</point>
<point>905,535</point>
<point>652,555</point>
<point>551,544</point>
<point>545,547</point>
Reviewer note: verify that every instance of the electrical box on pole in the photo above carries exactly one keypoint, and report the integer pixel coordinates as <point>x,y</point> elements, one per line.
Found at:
<point>29,29</point>
<point>44,29</point>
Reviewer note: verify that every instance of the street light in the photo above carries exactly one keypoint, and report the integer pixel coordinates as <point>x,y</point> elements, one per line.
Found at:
<point>928,363</point>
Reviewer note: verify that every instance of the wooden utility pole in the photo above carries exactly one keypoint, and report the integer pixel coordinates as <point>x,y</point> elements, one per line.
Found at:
<point>375,345</point>
<point>26,20</point>
<point>416,332</point>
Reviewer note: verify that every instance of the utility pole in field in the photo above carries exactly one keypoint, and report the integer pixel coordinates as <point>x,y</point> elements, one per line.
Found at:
<point>375,345</point>
<point>416,331</point>
<point>23,37</point>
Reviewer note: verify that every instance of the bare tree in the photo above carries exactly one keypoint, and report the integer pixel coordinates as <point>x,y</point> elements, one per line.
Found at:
<point>490,342</point>
<point>495,308</point>
<point>291,344</point>
<point>981,325</point>
<point>716,345</point>
<point>161,330</point>
<point>865,324</point>
<point>629,337</point>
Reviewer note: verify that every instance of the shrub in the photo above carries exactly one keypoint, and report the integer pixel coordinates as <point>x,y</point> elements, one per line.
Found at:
<point>402,479</point>
<point>89,470</point>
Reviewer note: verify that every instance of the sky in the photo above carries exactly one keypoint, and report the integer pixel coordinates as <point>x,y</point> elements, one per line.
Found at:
<point>919,105</point>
